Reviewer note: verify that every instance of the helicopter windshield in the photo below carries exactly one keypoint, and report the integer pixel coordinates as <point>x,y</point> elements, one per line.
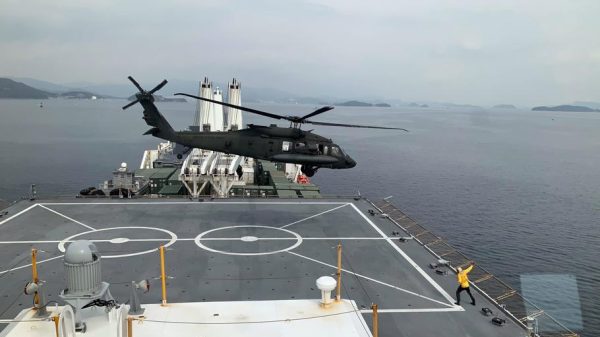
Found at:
<point>336,151</point>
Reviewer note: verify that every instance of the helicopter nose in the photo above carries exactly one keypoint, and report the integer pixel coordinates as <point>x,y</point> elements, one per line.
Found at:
<point>350,162</point>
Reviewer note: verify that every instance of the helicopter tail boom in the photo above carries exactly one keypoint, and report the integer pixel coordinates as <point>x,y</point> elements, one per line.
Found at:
<point>160,126</point>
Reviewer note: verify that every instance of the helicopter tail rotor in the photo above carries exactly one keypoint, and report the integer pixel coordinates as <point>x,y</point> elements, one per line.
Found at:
<point>143,94</point>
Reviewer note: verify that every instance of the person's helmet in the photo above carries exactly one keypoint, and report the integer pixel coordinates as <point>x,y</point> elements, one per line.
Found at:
<point>459,269</point>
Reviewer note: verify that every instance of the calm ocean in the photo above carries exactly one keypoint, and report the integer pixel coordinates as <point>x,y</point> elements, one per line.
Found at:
<point>518,191</point>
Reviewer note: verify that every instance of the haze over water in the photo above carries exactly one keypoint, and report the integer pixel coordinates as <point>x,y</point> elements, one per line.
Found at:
<point>515,190</point>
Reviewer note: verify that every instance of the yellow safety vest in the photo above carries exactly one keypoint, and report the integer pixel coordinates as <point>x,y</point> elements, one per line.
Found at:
<point>463,280</point>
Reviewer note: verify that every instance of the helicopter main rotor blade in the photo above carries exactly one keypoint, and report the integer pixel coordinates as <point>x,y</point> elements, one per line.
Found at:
<point>137,85</point>
<point>158,87</point>
<point>353,125</point>
<point>316,112</point>
<point>254,111</point>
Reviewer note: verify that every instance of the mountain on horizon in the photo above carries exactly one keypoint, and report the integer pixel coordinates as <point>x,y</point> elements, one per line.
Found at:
<point>589,104</point>
<point>14,89</point>
<point>126,89</point>
<point>10,88</point>
<point>249,94</point>
<point>42,85</point>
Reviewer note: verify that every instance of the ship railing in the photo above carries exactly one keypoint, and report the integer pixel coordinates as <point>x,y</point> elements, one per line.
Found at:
<point>182,197</point>
<point>507,299</point>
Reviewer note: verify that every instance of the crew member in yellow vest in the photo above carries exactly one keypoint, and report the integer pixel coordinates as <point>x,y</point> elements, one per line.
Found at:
<point>463,284</point>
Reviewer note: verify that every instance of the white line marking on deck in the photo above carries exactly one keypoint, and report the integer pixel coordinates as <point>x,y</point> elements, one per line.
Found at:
<point>16,215</point>
<point>315,215</point>
<point>410,261</point>
<point>172,240</point>
<point>200,236</point>
<point>66,217</point>
<point>28,265</point>
<point>371,279</point>
<point>197,203</point>
<point>288,238</point>
<point>25,242</point>
<point>100,240</point>
<point>346,238</point>
<point>192,239</point>
<point>392,311</point>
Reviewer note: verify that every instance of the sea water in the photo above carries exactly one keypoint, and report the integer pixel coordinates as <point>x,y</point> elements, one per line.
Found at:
<point>516,190</point>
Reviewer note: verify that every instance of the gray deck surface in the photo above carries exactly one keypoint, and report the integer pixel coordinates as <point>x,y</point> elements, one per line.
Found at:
<point>209,262</point>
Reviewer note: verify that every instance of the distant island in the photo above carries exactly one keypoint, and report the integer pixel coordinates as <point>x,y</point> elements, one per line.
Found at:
<point>159,98</point>
<point>504,106</point>
<point>417,105</point>
<point>14,89</point>
<point>79,95</point>
<point>569,108</point>
<point>363,104</point>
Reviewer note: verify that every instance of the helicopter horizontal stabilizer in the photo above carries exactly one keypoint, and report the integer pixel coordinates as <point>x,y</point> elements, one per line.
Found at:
<point>152,131</point>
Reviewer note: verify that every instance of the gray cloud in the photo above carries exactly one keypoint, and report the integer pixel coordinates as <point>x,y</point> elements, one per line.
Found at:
<point>483,52</point>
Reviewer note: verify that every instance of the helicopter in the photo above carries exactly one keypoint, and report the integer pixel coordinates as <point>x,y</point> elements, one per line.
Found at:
<point>277,144</point>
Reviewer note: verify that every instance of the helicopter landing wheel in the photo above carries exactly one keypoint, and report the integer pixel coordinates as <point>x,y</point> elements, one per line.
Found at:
<point>309,171</point>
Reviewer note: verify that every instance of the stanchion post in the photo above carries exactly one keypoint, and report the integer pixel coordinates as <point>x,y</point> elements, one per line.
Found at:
<point>375,321</point>
<point>163,276</point>
<point>34,274</point>
<point>338,291</point>
<point>56,319</point>
<point>129,326</point>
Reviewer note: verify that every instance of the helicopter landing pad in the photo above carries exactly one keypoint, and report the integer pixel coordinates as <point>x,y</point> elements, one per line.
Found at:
<point>241,250</point>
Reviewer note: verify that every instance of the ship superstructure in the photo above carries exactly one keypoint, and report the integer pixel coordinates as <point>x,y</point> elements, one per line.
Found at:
<point>210,172</point>
<point>205,172</point>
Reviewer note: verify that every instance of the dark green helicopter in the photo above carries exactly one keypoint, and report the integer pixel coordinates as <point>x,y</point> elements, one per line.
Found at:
<point>272,143</point>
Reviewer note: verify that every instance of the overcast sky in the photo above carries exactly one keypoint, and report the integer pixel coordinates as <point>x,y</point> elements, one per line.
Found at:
<point>483,52</point>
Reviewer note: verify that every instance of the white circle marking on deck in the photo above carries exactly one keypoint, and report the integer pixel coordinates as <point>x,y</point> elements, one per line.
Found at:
<point>172,240</point>
<point>119,240</point>
<point>201,235</point>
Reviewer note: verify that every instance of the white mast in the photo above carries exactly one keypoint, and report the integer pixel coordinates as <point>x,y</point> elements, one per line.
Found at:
<point>204,110</point>
<point>217,111</point>
<point>234,96</point>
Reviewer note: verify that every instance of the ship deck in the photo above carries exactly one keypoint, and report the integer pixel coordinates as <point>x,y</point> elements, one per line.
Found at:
<point>243,250</point>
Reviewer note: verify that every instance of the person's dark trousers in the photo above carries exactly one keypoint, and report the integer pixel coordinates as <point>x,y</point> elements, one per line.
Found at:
<point>468,290</point>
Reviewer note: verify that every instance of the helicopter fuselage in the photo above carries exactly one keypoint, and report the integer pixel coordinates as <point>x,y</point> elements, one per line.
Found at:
<point>289,145</point>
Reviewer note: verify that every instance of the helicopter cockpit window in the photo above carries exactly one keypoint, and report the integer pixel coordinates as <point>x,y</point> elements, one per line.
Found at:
<point>335,151</point>
<point>300,145</point>
<point>286,146</point>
